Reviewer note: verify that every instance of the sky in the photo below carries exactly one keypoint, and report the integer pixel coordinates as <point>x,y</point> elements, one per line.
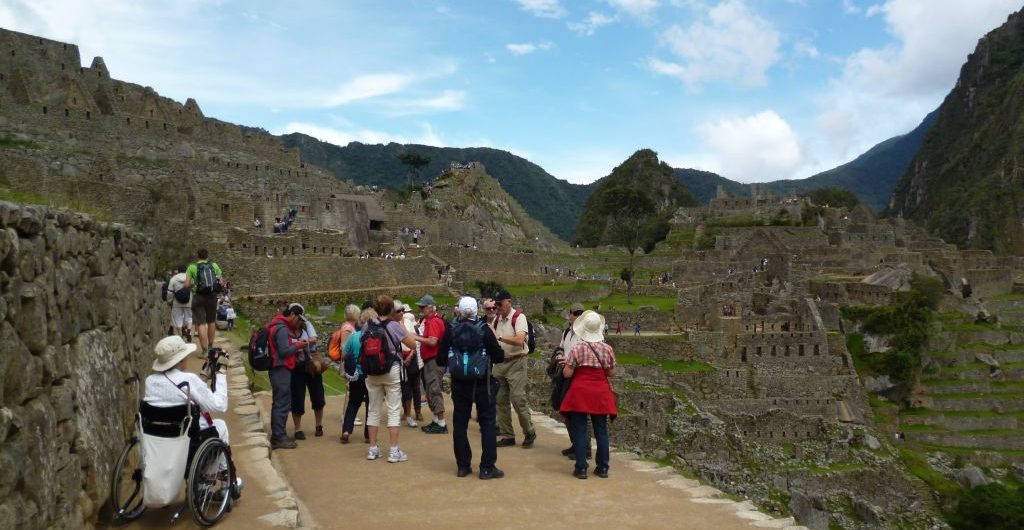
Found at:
<point>754,90</point>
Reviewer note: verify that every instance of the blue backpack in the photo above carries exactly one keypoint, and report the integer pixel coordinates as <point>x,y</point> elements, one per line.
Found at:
<point>467,358</point>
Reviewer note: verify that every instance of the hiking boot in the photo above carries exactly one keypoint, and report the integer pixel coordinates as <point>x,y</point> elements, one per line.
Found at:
<point>283,443</point>
<point>487,474</point>
<point>299,435</point>
<point>373,453</point>
<point>507,442</point>
<point>601,472</point>
<point>569,451</point>
<point>344,437</point>
<point>464,472</point>
<point>319,431</point>
<point>435,428</point>
<point>579,473</point>
<point>397,455</point>
<point>528,441</point>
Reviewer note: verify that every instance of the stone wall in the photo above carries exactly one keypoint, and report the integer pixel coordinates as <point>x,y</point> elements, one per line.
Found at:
<point>79,314</point>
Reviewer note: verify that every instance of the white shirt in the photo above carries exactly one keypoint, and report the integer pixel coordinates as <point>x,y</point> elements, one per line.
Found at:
<point>177,282</point>
<point>163,391</point>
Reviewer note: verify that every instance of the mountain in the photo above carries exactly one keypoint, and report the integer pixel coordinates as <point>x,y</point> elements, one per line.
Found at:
<point>641,174</point>
<point>966,184</point>
<point>556,203</point>
<point>872,175</point>
<point>704,184</point>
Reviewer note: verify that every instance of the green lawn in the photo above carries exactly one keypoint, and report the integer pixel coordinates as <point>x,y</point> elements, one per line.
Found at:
<point>635,359</point>
<point>617,302</point>
<point>545,288</point>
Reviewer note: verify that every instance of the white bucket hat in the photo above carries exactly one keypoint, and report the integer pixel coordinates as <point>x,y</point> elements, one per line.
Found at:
<point>589,326</point>
<point>170,351</point>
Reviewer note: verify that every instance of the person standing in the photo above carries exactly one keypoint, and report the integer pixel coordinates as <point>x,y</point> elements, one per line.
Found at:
<point>307,376</point>
<point>558,381</point>
<point>590,363</point>
<point>510,327</point>
<point>433,329</point>
<point>181,305</point>
<point>205,279</point>
<point>357,395</point>
<point>283,349</point>
<point>463,343</point>
<point>387,387</point>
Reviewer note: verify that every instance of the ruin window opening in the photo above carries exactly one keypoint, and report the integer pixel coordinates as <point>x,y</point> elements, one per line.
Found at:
<point>743,354</point>
<point>44,110</point>
<point>88,115</point>
<point>128,121</point>
<point>147,124</point>
<point>74,101</point>
<point>302,208</point>
<point>800,350</point>
<point>150,113</point>
<point>61,66</point>
<point>773,350</point>
<point>67,113</point>
<point>787,350</point>
<point>165,126</point>
<point>816,350</point>
<point>641,405</point>
<point>225,212</point>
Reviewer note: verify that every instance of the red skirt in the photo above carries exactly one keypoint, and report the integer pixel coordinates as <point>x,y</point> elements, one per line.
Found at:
<point>590,393</point>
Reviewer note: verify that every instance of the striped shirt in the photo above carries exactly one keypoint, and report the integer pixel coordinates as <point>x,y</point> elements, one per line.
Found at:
<point>592,354</point>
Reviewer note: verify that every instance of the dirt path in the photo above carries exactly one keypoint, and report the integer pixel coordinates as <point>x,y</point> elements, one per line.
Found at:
<point>343,489</point>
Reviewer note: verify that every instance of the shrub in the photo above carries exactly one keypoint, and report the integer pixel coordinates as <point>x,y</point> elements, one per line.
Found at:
<point>989,507</point>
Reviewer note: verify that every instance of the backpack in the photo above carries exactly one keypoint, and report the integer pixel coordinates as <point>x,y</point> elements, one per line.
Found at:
<point>531,338</point>
<point>206,279</point>
<point>164,289</point>
<point>467,358</point>
<point>259,349</point>
<point>376,353</point>
<point>334,347</point>
<point>183,295</point>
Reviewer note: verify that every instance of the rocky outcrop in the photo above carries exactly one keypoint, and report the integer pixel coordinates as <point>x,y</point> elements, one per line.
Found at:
<point>78,314</point>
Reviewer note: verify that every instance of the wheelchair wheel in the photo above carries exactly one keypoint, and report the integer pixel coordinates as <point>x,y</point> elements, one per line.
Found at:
<point>126,483</point>
<point>210,482</point>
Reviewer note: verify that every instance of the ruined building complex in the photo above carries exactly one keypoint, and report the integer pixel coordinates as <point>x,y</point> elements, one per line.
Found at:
<point>746,380</point>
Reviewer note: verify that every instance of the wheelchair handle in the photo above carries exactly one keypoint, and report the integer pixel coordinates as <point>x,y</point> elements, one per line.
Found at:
<point>133,379</point>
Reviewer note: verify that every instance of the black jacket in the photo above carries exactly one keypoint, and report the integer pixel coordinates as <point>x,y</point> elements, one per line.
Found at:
<point>491,346</point>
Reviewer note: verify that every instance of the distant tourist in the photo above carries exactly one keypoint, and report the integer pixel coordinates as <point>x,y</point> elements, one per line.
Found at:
<point>181,305</point>
<point>257,223</point>
<point>590,363</point>
<point>470,344</point>
<point>636,328</point>
<point>205,279</point>
<point>618,327</point>
<point>510,327</point>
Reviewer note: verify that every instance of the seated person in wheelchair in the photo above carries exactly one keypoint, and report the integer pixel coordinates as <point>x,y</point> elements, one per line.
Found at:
<point>166,387</point>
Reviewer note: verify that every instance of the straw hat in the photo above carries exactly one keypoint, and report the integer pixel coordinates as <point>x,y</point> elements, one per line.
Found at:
<point>170,351</point>
<point>589,326</point>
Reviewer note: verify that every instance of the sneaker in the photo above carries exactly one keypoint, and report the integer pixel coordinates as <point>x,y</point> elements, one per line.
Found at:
<point>601,472</point>
<point>283,443</point>
<point>359,421</point>
<point>373,453</point>
<point>528,441</point>
<point>464,472</point>
<point>435,428</point>
<point>319,431</point>
<point>580,473</point>
<point>299,435</point>
<point>487,474</point>
<point>397,455</point>
<point>507,442</point>
<point>411,422</point>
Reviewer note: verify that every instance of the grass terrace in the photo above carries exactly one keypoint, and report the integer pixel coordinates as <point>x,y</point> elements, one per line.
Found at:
<point>545,289</point>
<point>635,359</point>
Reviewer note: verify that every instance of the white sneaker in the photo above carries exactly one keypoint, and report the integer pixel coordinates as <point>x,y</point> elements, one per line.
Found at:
<point>358,421</point>
<point>397,455</point>
<point>411,422</point>
<point>374,453</point>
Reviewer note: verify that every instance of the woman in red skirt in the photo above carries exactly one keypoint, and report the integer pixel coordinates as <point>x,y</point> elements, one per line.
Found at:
<point>590,363</point>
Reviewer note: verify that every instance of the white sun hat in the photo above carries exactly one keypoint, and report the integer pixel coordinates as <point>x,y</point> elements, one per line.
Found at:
<point>589,326</point>
<point>170,351</point>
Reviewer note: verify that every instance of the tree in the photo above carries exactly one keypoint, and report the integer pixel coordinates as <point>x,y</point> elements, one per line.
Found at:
<point>629,214</point>
<point>415,162</point>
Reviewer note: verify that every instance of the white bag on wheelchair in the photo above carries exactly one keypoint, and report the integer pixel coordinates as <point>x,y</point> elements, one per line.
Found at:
<point>163,471</point>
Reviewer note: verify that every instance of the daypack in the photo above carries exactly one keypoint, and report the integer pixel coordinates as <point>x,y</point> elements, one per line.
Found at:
<point>531,339</point>
<point>164,290</point>
<point>467,357</point>
<point>335,347</point>
<point>259,349</point>
<point>376,353</point>
<point>206,279</point>
<point>183,295</point>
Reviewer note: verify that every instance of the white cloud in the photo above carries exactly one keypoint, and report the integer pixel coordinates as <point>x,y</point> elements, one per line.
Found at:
<point>448,100</point>
<point>543,8</point>
<point>367,86</point>
<point>591,24</point>
<point>887,90</point>
<point>850,8</point>
<point>729,43</point>
<point>755,148</point>
<point>351,133</point>
<point>641,9</point>
<point>527,48</point>
<point>806,49</point>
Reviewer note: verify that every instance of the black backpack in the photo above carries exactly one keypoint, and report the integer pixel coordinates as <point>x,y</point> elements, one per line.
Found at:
<point>376,353</point>
<point>183,295</point>
<point>531,338</point>
<point>259,349</point>
<point>206,279</point>
<point>467,357</point>
<point>164,290</point>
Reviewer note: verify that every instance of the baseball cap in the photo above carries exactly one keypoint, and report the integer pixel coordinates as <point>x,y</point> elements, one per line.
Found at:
<point>502,295</point>
<point>426,300</point>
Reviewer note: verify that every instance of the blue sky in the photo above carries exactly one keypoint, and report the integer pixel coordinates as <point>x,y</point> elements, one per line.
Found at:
<point>752,89</point>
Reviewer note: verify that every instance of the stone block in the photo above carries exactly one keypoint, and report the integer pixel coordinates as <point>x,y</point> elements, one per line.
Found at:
<point>30,321</point>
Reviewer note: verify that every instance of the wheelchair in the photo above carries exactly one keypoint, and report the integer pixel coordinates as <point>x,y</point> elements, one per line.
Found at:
<point>210,475</point>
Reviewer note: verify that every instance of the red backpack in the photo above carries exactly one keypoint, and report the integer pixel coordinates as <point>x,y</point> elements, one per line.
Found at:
<point>376,353</point>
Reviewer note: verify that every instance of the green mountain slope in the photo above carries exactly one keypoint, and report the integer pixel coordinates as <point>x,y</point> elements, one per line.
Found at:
<point>966,184</point>
<point>642,172</point>
<point>555,203</point>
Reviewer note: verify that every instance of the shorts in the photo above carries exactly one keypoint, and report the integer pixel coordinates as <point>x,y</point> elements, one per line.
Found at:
<point>204,308</point>
<point>181,317</point>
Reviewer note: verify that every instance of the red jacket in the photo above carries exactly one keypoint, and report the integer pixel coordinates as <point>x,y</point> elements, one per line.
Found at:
<point>282,350</point>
